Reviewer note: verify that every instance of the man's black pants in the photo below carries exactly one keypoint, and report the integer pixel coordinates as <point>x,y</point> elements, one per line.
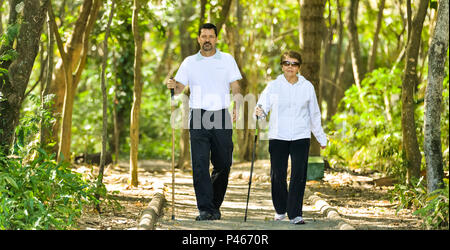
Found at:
<point>211,138</point>
<point>283,200</point>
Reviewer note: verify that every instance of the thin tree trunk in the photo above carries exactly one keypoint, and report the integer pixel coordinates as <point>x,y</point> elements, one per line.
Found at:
<point>311,24</point>
<point>244,144</point>
<point>223,14</point>
<point>340,66</point>
<point>116,131</point>
<point>327,85</point>
<point>137,93</point>
<point>410,143</point>
<point>43,66</point>
<point>202,11</point>
<point>105,97</point>
<point>71,86</point>
<point>373,51</point>
<point>73,50</point>
<point>437,56</point>
<point>408,20</point>
<point>45,128</point>
<point>1,18</point>
<point>57,86</point>
<point>66,126</point>
<point>357,65</point>
<point>188,47</point>
<point>338,94</point>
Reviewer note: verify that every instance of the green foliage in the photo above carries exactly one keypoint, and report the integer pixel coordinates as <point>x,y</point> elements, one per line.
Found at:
<point>367,132</point>
<point>155,110</point>
<point>155,129</point>
<point>39,193</point>
<point>88,115</point>
<point>432,207</point>
<point>31,118</point>
<point>6,41</point>
<point>435,208</point>
<point>409,195</point>
<point>36,192</point>
<point>9,55</point>
<point>10,35</point>
<point>3,71</point>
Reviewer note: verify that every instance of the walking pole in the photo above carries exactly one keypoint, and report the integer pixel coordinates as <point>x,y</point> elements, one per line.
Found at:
<point>172,93</point>
<point>251,167</point>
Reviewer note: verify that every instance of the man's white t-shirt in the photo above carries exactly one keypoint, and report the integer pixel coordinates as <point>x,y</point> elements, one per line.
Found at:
<point>209,79</point>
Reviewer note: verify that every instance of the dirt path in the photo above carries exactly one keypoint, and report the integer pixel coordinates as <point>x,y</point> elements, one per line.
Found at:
<point>358,202</point>
<point>260,208</point>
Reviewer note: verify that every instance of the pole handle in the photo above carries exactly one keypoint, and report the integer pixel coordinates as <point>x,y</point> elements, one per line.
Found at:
<point>172,91</point>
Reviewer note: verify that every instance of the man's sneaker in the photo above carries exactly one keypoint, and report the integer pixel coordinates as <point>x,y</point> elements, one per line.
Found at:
<point>204,216</point>
<point>279,217</point>
<point>297,220</point>
<point>216,215</point>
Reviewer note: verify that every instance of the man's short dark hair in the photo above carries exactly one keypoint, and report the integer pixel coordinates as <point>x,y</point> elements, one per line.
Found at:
<point>292,54</point>
<point>208,26</point>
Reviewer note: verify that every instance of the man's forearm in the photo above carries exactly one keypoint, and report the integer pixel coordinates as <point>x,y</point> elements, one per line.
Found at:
<point>235,89</point>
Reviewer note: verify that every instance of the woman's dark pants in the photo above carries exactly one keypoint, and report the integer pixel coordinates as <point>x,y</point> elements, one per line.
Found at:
<point>284,200</point>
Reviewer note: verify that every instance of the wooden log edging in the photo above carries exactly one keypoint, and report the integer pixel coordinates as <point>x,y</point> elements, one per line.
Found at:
<point>328,211</point>
<point>152,212</point>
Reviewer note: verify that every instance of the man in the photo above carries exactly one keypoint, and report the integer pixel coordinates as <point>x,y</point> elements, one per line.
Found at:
<point>210,75</point>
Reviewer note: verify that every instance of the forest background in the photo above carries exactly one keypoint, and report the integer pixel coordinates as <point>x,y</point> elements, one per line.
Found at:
<point>75,74</point>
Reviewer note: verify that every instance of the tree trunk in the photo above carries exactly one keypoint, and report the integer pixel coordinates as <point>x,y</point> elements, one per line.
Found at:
<point>188,47</point>
<point>15,81</point>
<point>223,15</point>
<point>311,24</point>
<point>437,55</point>
<point>333,100</point>
<point>410,144</point>
<point>45,128</point>
<point>341,85</point>
<point>244,143</point>
<point>77,41</point>
<point>116,130</point>
<point>123,79</point>
<point>105,97</point>
<point>354,42</point>
<point>71,86</point>
<point>137,93</point>
<point>373,51</point>
<point>1,18</point>
<point>327,85</point>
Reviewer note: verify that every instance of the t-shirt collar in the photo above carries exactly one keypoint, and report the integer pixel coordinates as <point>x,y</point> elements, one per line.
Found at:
<point>215,56</point>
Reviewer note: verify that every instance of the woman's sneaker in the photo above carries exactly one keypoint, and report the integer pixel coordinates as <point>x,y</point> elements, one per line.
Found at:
<point>297,220</point>
<point>279,217</point>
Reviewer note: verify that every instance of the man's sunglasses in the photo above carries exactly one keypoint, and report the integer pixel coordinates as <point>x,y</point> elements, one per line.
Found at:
<point>287,63</point>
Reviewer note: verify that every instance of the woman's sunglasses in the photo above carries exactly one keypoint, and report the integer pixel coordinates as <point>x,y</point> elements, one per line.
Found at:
<point>287,63</point>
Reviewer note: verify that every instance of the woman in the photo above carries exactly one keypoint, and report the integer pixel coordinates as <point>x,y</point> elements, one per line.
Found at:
<point>295,113</point>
